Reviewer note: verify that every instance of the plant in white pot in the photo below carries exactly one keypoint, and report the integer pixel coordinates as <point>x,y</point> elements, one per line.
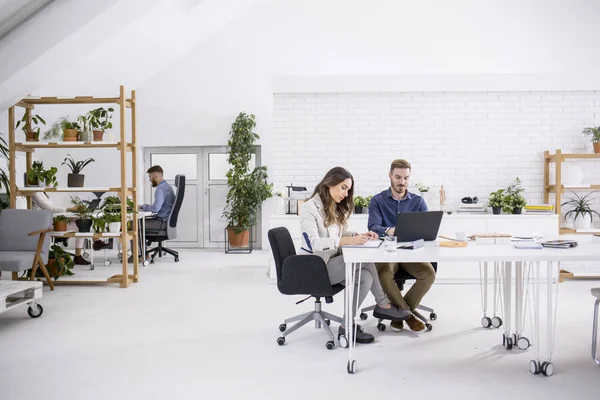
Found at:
<point>247,189</point>
<point>581,210</point>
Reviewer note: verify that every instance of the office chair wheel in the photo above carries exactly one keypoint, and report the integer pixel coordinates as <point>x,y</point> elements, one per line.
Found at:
<point>107,263</point>
<point>176,259</point>
<point>351,366</point>
<point>363,316</point>
<point>146,263</point>
<point>328,322</point>
<point>330,345</point>
<point>496,322</point>
<point>508,344</point>
<point>534,367</point>
<point>120,256</point>
<point>86,255</point>
<point>523,343</point>
<point>281,340</point>
<point>429,327</point>
<point>282,327</point>
<point>343,341</point>
<point>547,368</point>
<point>433,316</point>
<point>35,312</point>
<point>486,322</point>
<point>381,327</point>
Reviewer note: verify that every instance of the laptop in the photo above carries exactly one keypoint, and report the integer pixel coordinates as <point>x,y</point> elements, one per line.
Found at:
<point>94,204</point>
<point>411,226</point>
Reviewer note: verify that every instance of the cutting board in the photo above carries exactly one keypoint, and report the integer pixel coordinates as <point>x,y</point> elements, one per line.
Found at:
<point>453,244</point>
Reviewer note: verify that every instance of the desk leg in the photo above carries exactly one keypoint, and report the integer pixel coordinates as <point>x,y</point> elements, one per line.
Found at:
<point>350,339</point>
<point>507,340</point>
<point>520,307</point>
<point>486,322</point>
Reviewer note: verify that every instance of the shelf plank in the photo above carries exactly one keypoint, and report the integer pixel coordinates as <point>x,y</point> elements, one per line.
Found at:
<point>587,155</point>
<point>569,231</point>
<point>30,191</point>
<point>71,100</point>
<point>29,146</point>
<point>591,187</point>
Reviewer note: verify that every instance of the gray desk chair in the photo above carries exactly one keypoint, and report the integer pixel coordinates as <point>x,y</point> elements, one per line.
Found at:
<point>23,241</point>
<point>595,293</point>
<point>169,229</point>
<point>303,274</point>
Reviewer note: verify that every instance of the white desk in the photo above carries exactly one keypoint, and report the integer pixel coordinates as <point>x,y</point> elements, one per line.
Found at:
<point>505,253</point>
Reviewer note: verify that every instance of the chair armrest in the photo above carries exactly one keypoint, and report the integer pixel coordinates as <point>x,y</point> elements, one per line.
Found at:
<point>39,232</point>
<point>305,274</point>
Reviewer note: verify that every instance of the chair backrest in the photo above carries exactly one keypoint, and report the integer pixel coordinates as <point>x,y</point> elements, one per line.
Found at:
<point>282,247</point>
<point>16,225</point>
<point>172,225</point>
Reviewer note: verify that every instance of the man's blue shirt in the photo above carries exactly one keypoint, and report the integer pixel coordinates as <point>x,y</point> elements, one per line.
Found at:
<point>164,199</point>
<point>384,208</point>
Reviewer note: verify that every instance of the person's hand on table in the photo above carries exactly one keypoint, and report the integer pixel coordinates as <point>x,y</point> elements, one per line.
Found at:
<point>370,235</point>
<point>391,231</point>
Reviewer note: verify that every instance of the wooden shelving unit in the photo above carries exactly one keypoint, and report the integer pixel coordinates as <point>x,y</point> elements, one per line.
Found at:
<point>558,158</point>
<point>122,146</point>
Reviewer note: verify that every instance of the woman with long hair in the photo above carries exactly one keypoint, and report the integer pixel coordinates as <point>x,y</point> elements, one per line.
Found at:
<point>323,220</point>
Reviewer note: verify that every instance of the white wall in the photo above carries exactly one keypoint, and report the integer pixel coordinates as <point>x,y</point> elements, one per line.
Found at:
<point>473,143</point>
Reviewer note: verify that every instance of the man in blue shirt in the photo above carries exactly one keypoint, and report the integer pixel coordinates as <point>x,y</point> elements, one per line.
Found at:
<point>164,199</point>
<point>383,210</point>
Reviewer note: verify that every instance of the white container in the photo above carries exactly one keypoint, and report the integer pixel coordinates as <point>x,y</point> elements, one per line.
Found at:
<point>583,222</point>
<point>114,227</point>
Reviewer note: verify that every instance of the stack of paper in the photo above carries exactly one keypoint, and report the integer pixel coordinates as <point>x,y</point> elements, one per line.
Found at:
<point>560,244</point>
<point>539,209</point>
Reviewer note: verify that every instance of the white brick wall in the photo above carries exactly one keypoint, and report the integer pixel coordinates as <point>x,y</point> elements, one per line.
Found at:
<point>470,142</point>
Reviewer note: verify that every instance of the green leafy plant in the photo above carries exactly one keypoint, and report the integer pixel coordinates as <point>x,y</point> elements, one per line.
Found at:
<point>100,118</point>
<point>247,190</point>
<point>66,124</point>
<point>4,179</point>
<point>84,122</point>
<point>82,208</point>
<point>37,173</point>
<point>76,167</point>
<point>360,201</point>
<point>112,217</point>
<point>31,124</point>
<point>581,205</point>
<point>60,218</point>
<point>56,129</point>
<point>99,224</point>
<point>594,132</point>
<point>368,199</point>
<point>63,262</point>
<point>514,199</point>
<point>496,198</point>
<point>421,187</point>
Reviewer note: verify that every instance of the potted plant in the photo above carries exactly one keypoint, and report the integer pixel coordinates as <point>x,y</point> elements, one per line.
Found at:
<point>85,135</point>
<point>247,189</point>
<point>594,132</point>
<point>514,200</point>
<point>368,199</point>
<point>59,262</point>
<point>39,176</point>
<point>56,129</point>
<point>359,203</point>
<point>60,223</point>
<point>98,224</point>
<point>113,220</point>
<point>83,213</point>
<point>4,179</point>
<point>100,121</point>
<point>30,126</point>
<point>581,208</point>
<point>496,200</point>
<point>70,130</point>
<point>75,178</point>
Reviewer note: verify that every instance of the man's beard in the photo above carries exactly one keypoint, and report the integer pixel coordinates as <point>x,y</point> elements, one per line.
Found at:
<point>398,189</point>
<point>154,184</point>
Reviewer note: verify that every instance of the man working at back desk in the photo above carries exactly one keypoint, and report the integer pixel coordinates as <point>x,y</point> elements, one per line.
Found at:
<point>164,199</point>
<point>383,210</point>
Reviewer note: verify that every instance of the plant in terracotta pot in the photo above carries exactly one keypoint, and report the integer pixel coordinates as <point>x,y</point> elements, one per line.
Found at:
<point>594,132</point>
<point>60,223</point>
<point>83,213</point>
<point>100,121</point>
<point>75,178</point>
<point>70,130</point>
<point>247,189</point>
<point>581,209</point>
<point>59,262</point>
<point>30,127</point>
<point>496,200</point>
<point>360,203</point>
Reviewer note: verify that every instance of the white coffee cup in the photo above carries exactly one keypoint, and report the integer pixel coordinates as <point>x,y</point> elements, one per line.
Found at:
<point>462,236</point>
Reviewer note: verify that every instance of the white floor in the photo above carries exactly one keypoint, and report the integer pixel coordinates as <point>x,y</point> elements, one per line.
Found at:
<point>206,328</point>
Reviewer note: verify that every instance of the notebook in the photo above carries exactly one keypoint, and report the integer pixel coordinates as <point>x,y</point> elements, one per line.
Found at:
<point>560,244</point>
<point>371,244</point>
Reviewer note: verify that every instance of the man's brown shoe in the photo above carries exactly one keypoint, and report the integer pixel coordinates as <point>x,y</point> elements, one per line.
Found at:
<point>397,326</point>
<point>414,324</point>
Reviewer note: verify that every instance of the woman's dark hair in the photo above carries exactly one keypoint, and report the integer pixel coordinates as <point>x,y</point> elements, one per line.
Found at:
<point>335,213</point>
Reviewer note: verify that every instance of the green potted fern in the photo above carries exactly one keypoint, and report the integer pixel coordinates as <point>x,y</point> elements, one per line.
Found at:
<point>247,189</point>
<point>581,210</point>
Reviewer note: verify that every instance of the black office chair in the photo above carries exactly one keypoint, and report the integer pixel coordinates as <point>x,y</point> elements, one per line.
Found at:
<point>169,229</point>
<point>305,275</point>
<point>401,277</point>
